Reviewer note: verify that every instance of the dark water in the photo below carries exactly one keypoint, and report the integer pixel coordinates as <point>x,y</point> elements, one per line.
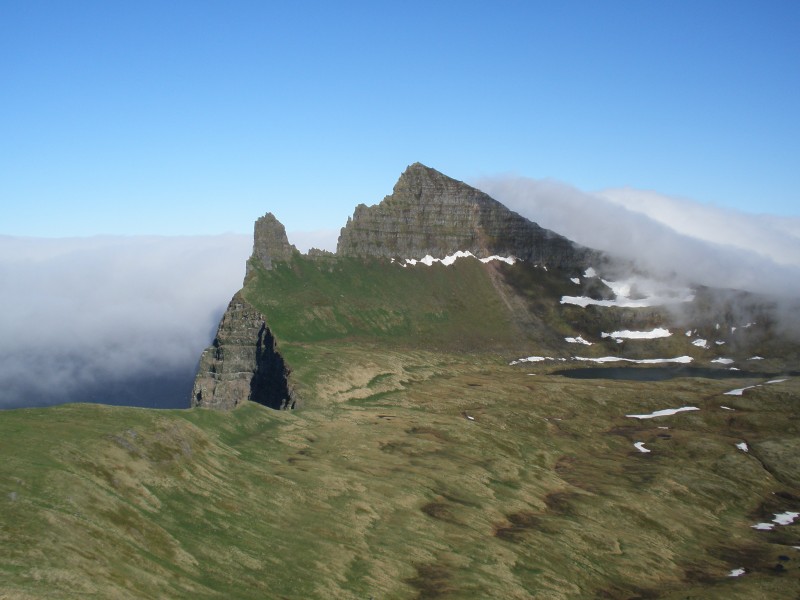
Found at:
<point>659,373</point>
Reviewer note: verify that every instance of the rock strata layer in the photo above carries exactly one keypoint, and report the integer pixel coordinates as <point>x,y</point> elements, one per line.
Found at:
<point>242,363</point>
<point>430,213</point>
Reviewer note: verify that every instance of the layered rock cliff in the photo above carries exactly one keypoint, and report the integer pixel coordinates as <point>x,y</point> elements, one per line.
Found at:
<point>430,213</point>
<point>242,363</point>
<point>427,213</point>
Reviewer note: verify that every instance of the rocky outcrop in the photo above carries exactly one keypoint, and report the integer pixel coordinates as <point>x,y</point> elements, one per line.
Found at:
<point>242,363</point>
<point>427,213</point>
<point>430,213</point>
<point>270,243</point>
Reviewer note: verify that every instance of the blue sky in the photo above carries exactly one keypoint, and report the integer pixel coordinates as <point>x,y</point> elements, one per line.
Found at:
<point>198,117</point>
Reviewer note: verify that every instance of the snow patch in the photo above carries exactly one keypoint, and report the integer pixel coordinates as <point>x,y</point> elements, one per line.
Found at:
<point>700,343</point>
<point>530,359</point>
<point>786,518</point>
<point>651,293</point>
<point>663,413</point>
<point>640,447</point>
<point>506,259</point>
<point>607,359</point>
<point>743,447</point>
<point>739,391</point>
<point>658,332</point>
<point>590,272</point>
<point>643,361</point>
<point>723,361</point>
<point>736,572</point>
<point>575,280</point>
<point>577,340</point>
<point>428,260</point>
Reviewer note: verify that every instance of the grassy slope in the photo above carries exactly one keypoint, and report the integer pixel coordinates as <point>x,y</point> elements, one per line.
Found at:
<point>381,487</point>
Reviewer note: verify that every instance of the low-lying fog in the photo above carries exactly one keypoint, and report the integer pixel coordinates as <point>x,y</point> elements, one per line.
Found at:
<point>123,320</point>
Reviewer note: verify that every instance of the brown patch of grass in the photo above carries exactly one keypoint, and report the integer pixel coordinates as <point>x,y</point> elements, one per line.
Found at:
<point>439,511</point>
<point>520,523</point>
<point>432,581</point>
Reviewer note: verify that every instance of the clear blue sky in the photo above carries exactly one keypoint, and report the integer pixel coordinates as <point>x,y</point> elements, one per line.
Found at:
<point>194,117</point>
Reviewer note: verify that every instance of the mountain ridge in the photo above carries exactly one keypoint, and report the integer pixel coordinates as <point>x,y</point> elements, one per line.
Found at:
<point>427,214</point>
<point>553,293</point>
<point>440,450</point>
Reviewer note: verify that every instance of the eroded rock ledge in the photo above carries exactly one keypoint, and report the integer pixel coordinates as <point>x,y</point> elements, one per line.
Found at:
<point>242,363</point>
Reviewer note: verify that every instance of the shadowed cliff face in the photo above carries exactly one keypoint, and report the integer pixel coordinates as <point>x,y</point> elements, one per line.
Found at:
<point>269,385</point>
<point>242,363</point>
<point>430,213</point>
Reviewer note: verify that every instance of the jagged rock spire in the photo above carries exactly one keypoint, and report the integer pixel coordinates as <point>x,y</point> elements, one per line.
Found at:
<point>270,243</point>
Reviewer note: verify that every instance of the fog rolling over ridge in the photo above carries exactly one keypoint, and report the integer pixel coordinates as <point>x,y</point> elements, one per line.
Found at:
<point>124,320</point>
<point>673,238</point>
<point>117,320</point>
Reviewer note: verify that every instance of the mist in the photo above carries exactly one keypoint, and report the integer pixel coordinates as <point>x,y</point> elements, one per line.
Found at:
<point>701,244</point>
<point>672,238</point>
<point>117,320</point>
<point>123,320</point>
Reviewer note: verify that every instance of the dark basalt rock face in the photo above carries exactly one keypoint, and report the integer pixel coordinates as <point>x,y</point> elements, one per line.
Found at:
<point>270,242</point>
<point>242,363</point>
<point>430,213</point>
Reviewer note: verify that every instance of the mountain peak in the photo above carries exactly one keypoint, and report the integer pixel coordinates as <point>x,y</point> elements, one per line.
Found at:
<point>431,213</point>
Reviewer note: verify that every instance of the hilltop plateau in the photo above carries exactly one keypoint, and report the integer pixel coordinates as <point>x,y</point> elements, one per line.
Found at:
<point>446,439</point>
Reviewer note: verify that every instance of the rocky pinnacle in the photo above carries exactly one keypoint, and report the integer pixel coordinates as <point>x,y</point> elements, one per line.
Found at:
<point>270,243</point>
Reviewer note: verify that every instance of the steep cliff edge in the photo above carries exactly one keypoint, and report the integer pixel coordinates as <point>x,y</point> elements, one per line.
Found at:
<point>242,363</point>
<point>427,213</point>
<point>430,213</point>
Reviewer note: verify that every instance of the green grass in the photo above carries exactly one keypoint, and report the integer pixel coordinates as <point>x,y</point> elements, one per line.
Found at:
<point>380,486</point>
<point>400,496</point>
<point>452,307</point>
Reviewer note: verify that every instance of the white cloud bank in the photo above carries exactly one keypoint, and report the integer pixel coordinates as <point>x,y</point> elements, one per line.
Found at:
<point>77,314</point>
<point>703,244</point>
<point>81,314</point>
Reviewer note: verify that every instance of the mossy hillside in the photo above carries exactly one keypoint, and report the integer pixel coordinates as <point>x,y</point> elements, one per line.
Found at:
<point>387,489</point>
<point>507,311</point>
<point>455,307</point>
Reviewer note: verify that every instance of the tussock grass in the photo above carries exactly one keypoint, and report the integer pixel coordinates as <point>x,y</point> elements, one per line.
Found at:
<point>382,486</point>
